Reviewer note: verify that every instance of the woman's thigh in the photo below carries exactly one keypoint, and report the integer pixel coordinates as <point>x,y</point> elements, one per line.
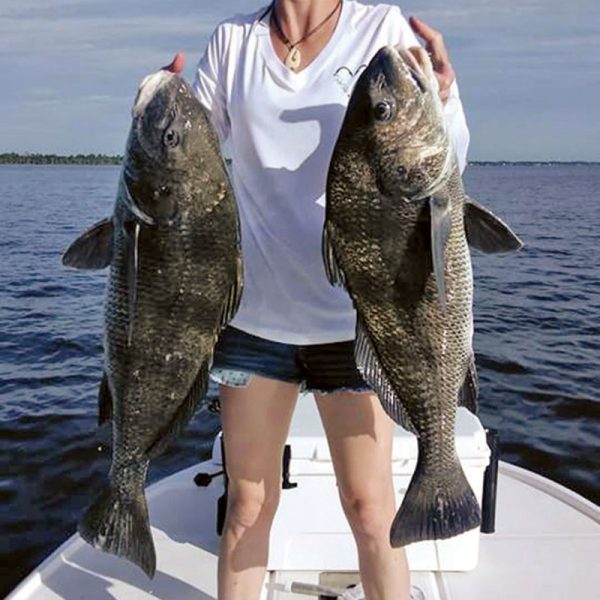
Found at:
<point>255,420</point>
<point>360,435</point>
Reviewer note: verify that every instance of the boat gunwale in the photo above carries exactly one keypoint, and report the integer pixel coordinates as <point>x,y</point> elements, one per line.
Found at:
<point>551,488</point>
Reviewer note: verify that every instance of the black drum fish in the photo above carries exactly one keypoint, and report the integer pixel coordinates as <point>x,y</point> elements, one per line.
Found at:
<point>173,246</point>
<point>398,227</point>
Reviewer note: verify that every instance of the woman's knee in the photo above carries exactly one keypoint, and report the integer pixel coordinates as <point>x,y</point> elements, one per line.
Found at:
<point>369,514</point>
<point>250,506</point>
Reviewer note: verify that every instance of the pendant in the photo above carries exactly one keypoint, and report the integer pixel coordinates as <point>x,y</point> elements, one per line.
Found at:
<point>293,59</point>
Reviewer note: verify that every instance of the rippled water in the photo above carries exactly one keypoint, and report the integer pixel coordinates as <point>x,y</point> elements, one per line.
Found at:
<point>537,342</point>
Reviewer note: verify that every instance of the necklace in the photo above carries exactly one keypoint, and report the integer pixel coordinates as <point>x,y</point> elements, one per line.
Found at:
<point>294,57</point>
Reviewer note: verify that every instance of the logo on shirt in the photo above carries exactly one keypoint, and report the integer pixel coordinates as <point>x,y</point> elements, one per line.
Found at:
<point>346,77</point>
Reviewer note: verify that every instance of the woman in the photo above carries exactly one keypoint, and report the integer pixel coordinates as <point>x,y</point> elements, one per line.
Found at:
<point>277,83</point>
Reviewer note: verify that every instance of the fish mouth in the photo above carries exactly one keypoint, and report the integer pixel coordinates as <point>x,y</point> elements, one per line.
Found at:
<point>413,66</point>
<point>415,63</point>
<point>143,195</point>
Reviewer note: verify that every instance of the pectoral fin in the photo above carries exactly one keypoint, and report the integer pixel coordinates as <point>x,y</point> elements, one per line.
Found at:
<point>132,235</point>
<point>440,232</point>
<point>93,249</point>
<point>488,233</point>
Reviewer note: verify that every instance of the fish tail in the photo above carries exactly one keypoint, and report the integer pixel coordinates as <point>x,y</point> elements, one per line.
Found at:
<point>120,526</point>
<point>434,508</point>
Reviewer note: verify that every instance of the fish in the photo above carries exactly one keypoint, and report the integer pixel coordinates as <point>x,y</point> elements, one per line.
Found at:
<point>175,281</point>
<point>397,231</point>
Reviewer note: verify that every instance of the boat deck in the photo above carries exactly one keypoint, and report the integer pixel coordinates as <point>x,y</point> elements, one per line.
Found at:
<point>545,547</point>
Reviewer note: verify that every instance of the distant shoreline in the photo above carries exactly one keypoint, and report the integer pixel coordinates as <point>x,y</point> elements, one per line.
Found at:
<point>529,163</point>
<point>14,158</point>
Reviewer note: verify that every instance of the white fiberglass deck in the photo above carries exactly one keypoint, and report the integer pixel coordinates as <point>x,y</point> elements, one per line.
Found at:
<point>546,544</point>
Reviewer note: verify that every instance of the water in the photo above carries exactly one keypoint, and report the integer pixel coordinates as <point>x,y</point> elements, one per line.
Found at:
<point>537,341</point>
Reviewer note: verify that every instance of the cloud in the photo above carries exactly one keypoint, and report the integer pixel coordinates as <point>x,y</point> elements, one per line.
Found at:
<point>73,66</point>
<point>26,38</point>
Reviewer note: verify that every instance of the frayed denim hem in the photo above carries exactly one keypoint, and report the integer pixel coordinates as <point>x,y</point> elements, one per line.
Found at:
<point>239,378</point>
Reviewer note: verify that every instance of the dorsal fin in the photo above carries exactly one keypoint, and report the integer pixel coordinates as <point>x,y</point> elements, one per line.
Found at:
<point>234,296</point>
<point>370,368</point>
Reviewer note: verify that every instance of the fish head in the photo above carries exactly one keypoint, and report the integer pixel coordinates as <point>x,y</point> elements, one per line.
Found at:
<point>169,132</point>
<point>395,115</point>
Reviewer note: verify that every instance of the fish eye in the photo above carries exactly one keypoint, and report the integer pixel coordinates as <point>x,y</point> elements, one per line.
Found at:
<point>171,138</point>
<point>162,191</point>
<point>383,110</point>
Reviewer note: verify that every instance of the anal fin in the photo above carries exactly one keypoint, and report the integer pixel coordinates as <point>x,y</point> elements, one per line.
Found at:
<point>468,396</point>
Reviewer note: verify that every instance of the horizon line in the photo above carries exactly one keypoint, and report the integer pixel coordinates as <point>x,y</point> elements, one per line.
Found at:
<point>119,158</point>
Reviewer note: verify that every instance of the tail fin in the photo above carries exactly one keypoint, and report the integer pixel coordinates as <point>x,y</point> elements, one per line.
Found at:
<point>120,526</point>
<point>434,509</point>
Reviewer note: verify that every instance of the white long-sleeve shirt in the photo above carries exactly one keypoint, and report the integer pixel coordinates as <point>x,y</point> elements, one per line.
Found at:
<point>282,127</point>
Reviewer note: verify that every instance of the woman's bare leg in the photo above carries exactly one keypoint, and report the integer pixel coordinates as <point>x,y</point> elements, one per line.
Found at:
<point>255,422</point>
<point>359,434</point>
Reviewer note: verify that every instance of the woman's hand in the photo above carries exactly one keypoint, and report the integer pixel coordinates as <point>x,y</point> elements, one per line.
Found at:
<point>177,64</point>
<point>434,44</point>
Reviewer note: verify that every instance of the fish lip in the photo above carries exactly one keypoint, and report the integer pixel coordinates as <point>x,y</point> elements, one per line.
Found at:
<point>408,63</point>
<point>423,76</point>
<point>149,88</point>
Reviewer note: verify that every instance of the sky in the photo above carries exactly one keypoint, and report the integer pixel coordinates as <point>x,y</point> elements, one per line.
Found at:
<point>528,70</point>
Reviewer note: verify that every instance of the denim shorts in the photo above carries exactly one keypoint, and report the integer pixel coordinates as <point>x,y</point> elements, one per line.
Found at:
<point>322,368</point>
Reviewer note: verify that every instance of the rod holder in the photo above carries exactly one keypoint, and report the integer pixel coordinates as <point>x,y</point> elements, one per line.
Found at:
<point>490,484</point>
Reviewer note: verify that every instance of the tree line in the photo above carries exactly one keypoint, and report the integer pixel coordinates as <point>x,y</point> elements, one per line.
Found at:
<point>14,158</point>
